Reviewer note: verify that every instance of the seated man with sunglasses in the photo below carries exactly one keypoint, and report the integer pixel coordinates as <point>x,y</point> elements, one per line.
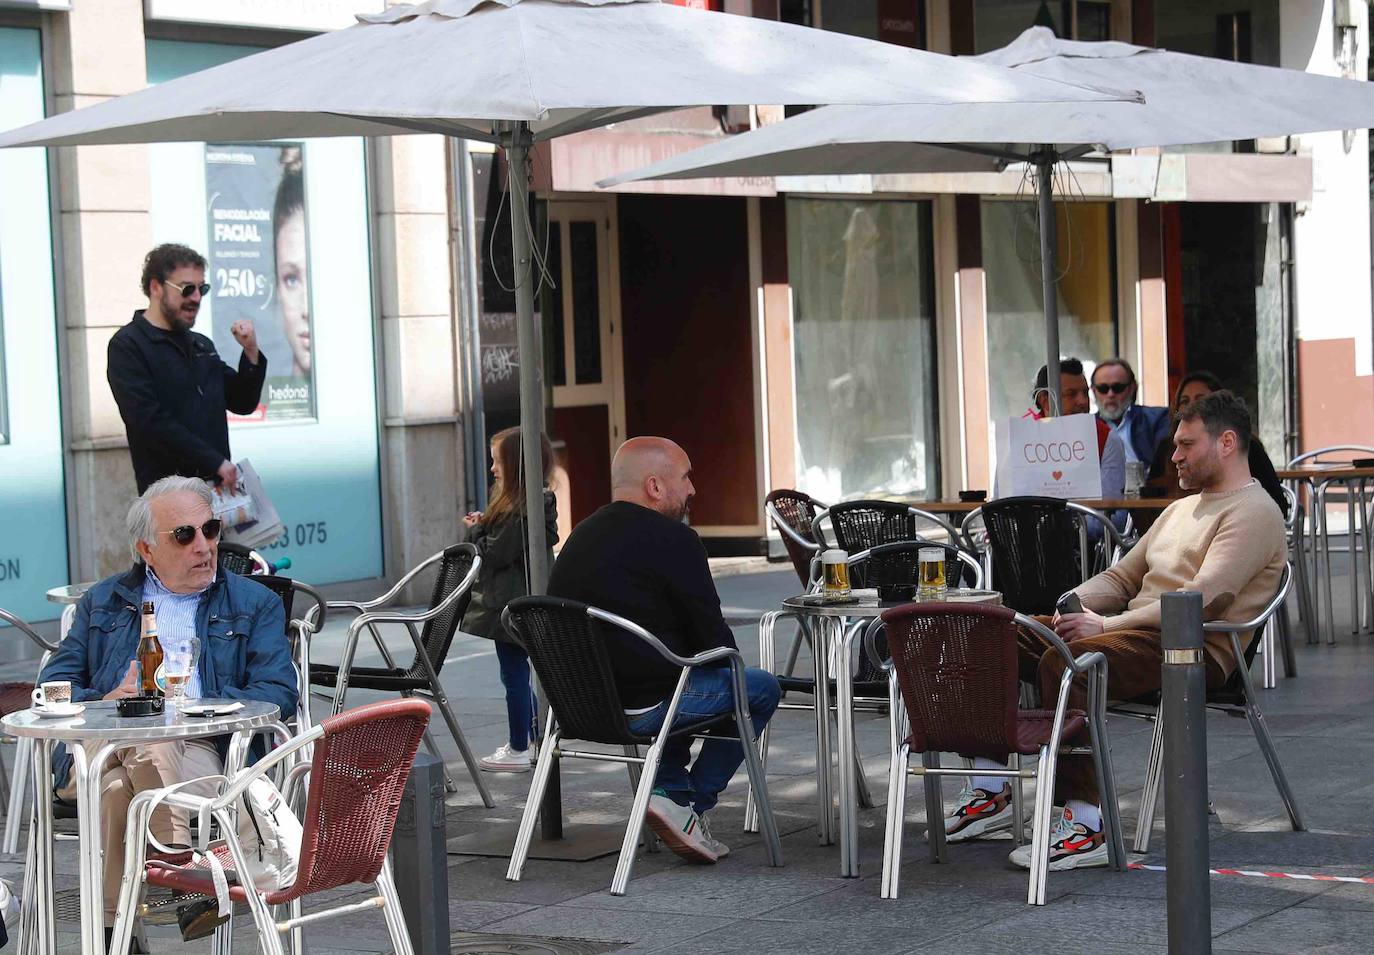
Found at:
<point>169,382</point>
<point>241,626</point>
<point>1141,427</point>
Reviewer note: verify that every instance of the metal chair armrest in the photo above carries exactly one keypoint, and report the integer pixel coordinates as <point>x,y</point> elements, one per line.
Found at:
<point>629,626</point>
<point>1224,626</point>
<point>1078,664</point>
<point>28,631</point>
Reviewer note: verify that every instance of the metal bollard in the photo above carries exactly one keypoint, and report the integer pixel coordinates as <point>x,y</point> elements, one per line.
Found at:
<point>419,857</point>
<point>1183,680</point>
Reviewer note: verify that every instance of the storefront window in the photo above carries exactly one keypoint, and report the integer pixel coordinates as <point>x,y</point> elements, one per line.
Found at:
<point>1015,310</point>
<point>285,227</point>
<point>864,346</point>
<point>998,22</point>
<point>33,512</point>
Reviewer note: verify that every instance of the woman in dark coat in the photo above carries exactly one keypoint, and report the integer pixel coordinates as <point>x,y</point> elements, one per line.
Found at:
<point>499,534</point>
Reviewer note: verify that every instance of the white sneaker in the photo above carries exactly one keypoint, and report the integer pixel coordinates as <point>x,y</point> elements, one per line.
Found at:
<point>715,845</point>
<point>9,904</point>
<point>978,812</point>
<point>681,829</point>
<point>506,760</point>
<point>1072,846</point>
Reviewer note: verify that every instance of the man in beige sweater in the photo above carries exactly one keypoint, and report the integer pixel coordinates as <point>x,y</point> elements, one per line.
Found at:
<point>1226,542</point>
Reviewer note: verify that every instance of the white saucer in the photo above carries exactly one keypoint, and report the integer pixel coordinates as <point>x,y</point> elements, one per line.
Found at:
<point>53,713</point>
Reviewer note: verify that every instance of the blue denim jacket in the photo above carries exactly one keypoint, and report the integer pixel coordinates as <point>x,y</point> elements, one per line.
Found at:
<point>242,629</point>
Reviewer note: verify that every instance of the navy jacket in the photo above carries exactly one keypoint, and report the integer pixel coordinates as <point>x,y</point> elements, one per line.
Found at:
<point>1149,426</point>
<point>172,391</point>
<point>244,654</point>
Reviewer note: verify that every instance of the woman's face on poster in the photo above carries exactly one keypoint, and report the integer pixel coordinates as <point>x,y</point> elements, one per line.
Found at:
<point>293,288</point>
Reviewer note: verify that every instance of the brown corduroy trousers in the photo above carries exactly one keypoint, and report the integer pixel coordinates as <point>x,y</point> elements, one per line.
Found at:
<point>1133,662</point>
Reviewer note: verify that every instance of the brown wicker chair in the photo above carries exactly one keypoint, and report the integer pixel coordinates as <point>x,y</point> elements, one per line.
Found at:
<point>360,762</point>
<point>792,513</point>
<point>956,668</point>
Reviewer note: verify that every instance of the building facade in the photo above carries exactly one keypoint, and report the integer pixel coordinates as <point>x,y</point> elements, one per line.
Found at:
<point>848,336</point>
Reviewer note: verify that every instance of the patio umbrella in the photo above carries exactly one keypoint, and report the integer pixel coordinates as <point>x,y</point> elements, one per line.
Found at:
<point>1188,99</point>
<point>515,72</point>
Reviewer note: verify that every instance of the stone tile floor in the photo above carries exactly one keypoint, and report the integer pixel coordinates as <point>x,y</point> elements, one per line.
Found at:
<point>1325,734</point>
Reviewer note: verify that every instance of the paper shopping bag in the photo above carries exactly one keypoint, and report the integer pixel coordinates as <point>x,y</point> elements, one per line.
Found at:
<point>1051,457</point>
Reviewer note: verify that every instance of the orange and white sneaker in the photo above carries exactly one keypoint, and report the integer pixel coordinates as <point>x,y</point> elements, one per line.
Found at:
<point>1073,845</point>
<point>978,812</point>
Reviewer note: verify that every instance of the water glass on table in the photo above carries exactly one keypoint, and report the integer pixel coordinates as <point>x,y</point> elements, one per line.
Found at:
<point>180,660</point>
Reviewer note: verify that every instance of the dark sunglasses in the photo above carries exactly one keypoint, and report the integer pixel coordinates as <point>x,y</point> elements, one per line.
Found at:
<point>186,533</point>
<point>1115,388</point>
<point>189,287</point>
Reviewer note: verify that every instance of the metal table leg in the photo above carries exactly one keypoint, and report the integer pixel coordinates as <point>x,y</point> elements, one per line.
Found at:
<point>825,808</point>
<point>849,782</point>
<point>88,771</point>
<point>1324,542</point>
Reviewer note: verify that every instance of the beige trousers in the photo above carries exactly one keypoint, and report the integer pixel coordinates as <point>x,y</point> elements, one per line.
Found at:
<point>130,771</point>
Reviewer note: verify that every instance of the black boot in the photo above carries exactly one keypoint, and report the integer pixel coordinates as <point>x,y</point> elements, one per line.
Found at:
<point>199,919</point>
<point>134,947</point>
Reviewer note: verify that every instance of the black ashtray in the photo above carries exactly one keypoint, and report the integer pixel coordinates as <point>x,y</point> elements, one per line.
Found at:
<point>894,593</point>
<point>1150,490</point>
<point>1363,463</point>
<point>140,706</point>
<point>971,496</point>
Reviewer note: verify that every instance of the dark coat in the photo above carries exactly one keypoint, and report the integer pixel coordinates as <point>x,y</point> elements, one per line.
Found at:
<point>172,391</point>
<point>242,630</point>
<point>502,576</point>
<point>1149,426</point>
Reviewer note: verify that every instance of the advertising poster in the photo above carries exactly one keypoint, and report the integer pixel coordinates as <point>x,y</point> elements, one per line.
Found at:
<point>258,255</point>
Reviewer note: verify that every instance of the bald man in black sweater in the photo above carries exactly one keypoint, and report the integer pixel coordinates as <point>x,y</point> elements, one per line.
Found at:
<point>637,558</point>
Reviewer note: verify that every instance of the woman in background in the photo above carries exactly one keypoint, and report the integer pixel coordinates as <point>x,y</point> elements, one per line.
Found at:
<point>1163,474</point>
<point>499,534</point>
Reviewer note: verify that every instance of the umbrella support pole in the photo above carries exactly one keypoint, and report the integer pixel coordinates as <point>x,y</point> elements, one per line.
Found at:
<point>516,139</point>
<point>1044,159</point>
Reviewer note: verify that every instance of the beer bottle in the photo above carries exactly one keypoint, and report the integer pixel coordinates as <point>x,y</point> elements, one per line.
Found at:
<point>149,653</point>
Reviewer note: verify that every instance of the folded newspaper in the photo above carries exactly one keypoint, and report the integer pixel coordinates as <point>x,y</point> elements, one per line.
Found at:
<point>248,515</point>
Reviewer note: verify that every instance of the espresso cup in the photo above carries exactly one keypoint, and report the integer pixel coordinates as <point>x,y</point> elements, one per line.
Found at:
<point>56,693</point>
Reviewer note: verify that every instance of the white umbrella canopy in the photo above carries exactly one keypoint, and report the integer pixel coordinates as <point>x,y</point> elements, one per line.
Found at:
<point>1188,99</point>
<point>464,67</point>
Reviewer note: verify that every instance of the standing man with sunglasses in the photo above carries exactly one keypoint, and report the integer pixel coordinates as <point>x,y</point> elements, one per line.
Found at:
<point>244,655</point>
<point>171,386</point>
<point>1141,427</point>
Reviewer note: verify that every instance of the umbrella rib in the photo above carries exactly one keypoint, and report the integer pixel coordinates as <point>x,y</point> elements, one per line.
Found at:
<point>425,126</point>
<point>592,119</point>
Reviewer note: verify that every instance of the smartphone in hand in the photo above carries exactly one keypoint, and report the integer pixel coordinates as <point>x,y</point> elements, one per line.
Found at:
<point>1069,603</point>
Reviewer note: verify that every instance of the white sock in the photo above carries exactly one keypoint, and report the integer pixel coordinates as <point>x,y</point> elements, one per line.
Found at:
<point>989,784</point>
<point>1085,812</point>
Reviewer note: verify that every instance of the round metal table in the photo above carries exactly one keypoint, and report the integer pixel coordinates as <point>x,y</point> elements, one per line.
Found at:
<point>833,634</point>
<point>68,593</point>
<point>102,731</point>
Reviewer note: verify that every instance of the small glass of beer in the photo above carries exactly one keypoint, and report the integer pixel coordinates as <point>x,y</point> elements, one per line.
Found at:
<point>931,584</point>
<point>836,566</point>
<point>179,662</point>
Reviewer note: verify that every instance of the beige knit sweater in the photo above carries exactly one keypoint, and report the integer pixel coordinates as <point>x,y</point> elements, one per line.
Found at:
<point>1229,546</point>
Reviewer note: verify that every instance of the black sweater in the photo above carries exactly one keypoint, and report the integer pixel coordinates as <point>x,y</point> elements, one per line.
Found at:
<point>652,570</point>
<point>172,391</point>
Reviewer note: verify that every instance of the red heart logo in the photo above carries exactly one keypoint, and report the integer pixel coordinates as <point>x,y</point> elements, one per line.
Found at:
<point>1056,474</point>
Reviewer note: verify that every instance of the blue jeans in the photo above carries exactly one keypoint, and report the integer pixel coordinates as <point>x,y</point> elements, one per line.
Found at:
<point>515,677</point>
<point>709,692</point>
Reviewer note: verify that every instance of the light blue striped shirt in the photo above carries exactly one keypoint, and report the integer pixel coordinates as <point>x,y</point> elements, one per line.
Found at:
<point>176,620</point>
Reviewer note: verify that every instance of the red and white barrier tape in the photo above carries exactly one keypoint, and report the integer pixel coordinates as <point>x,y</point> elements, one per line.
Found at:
<point>1256,874</point>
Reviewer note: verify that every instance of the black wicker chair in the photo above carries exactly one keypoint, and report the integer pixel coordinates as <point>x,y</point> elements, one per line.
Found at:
<point>1040,547</point>
<point>241,560</point>
<point>431,632</point>
<point>570,646</point>
<point>860,525</point>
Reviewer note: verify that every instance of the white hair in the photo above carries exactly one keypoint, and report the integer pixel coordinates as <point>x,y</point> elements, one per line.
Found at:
<point>140,519</point>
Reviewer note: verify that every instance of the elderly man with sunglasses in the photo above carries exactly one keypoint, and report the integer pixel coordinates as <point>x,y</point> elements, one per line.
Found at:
<point>1141,427</point>
<point>169,382</point>
<point>241,626</point>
